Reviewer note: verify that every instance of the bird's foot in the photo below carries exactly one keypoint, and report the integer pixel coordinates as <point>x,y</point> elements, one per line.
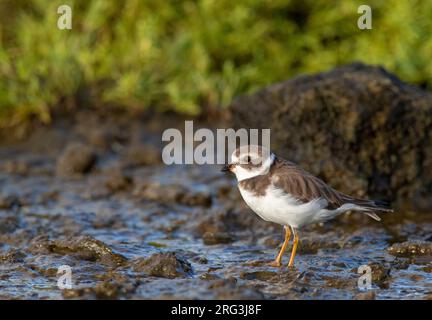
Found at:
<point>275,264</point>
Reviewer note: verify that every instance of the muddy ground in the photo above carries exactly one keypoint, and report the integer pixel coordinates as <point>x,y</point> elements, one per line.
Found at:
<point>92,194</point>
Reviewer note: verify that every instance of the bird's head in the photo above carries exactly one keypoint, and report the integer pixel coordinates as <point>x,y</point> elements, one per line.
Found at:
<point>250,161</point>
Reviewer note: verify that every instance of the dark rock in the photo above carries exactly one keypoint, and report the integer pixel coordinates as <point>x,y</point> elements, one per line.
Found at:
<point>210,221</point>
<point>77,158</point>
<point>427,269</point>
<point>222,283</point>
<point>208,276</point>
<point>8,224</point>
<point>272,241</point>
<point>258,275</point>
<point>400,264</point>
<point>163,265</point>
<point>313,245</point>
<point>417,278</point>
<point>211,238</point>
<point>105,290</point>
<point>368,295</point>
<point>42,270</point>
<point>83,247</point>
<point>358,127</point>
<point>12,256</point>
<point>230,291</point>
<point>101,137</point>
<point>241,293</point>
<point>16,167</point>
<point>411,248</point>
<point>380,273</point>
<point>200,260</point>
<point>142,155</point>
<point>257,263</point>
<point>117,180</point>
<point>108,222</point>
<point>99,132</point>
<point>9,201</point>
<point>171,193</point>
<point>196,199</point>
<point>48,196</point>
<point>339,282</point>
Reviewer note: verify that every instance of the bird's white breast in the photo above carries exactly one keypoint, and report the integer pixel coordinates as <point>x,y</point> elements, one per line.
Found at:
<point>279,207</point>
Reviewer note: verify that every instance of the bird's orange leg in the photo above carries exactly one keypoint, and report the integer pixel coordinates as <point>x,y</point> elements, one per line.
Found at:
<point>277,261</point>
<point>294,249</point>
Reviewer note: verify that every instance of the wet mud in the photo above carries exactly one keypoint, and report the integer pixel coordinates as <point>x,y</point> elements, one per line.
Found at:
<point>95,196</point>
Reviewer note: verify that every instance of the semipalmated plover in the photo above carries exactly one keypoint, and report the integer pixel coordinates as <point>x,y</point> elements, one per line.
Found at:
<point>280,191</point>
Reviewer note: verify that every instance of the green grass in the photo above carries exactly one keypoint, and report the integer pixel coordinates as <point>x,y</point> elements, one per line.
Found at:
<point>188,56</point>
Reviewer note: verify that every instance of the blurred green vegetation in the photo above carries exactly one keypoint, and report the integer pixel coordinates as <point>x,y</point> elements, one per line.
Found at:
<point>189,56</point>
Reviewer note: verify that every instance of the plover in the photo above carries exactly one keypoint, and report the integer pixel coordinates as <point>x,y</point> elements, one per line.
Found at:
<point>280,191</point>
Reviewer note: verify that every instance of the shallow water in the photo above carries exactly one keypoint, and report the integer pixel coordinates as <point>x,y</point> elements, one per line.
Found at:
<point>136,224</point>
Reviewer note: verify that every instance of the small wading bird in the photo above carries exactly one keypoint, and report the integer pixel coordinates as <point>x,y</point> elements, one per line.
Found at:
<point>279,191</point>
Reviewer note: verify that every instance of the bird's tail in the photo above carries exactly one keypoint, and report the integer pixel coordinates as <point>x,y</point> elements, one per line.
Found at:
<point>370,207</point>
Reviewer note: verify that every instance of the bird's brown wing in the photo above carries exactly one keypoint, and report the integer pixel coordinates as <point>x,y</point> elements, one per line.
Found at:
<point>304,186</point>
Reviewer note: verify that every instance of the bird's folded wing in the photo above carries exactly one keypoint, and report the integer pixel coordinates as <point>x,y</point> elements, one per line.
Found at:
<point>304,186</point>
